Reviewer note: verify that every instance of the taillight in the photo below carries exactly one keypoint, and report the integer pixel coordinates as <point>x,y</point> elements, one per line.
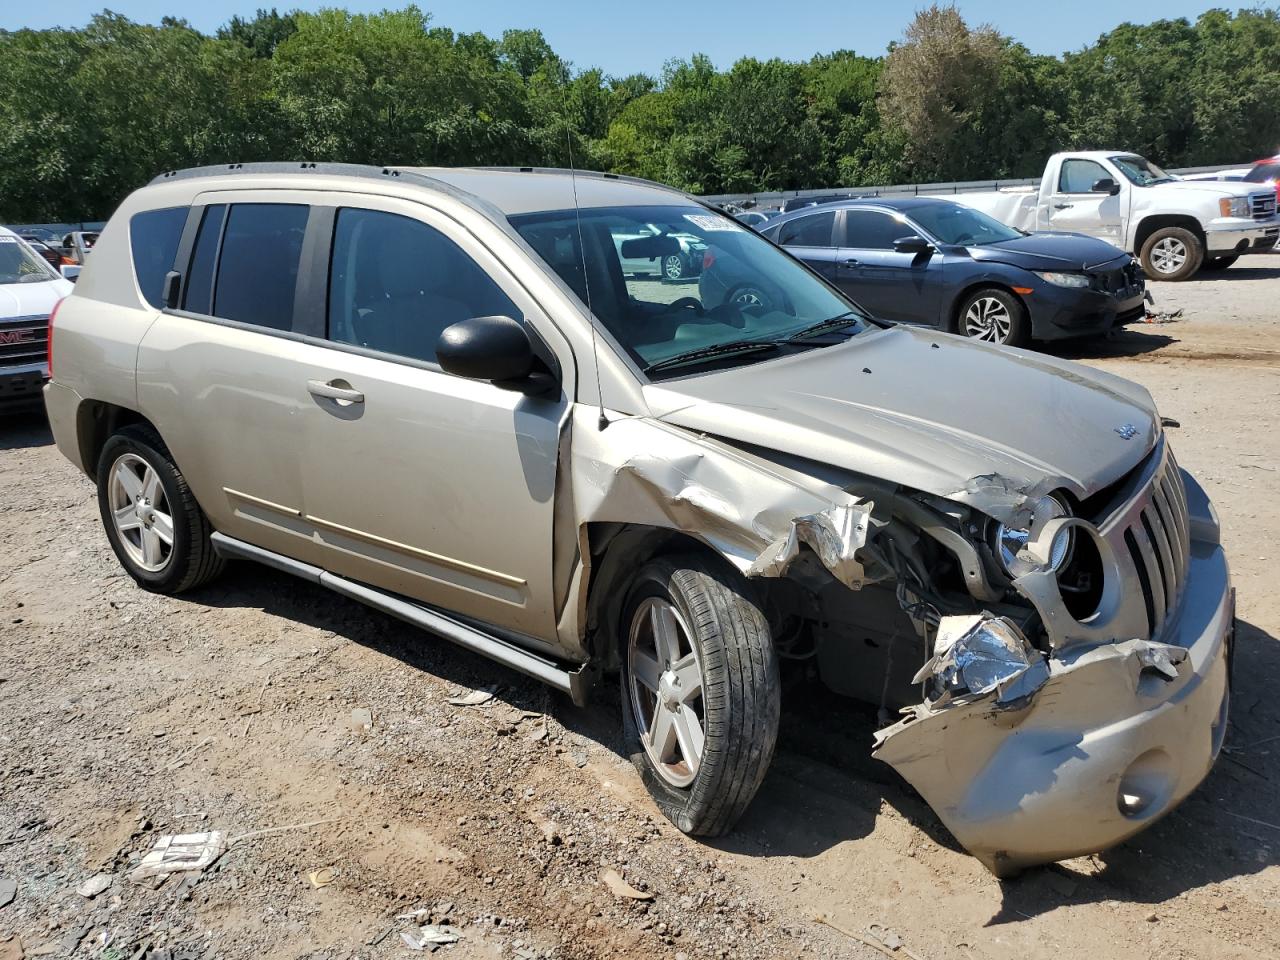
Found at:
<point>49,337</point>
<point>708,260</point>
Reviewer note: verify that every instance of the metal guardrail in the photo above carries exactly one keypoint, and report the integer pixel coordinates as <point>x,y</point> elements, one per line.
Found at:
<point>775,198</point>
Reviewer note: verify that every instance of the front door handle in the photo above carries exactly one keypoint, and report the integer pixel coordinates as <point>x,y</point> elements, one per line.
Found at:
<point>1062,206</point>
<point>850,262</point>
<point>338,390</point>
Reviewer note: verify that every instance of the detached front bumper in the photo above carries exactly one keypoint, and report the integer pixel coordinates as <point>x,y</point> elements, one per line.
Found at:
<point>1105,747</point>
<point>1230,235</point>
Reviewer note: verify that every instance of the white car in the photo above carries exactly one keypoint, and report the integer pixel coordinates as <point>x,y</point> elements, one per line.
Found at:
<point>639,256</point>
<point>1175,227</point>
<point>29,290</point>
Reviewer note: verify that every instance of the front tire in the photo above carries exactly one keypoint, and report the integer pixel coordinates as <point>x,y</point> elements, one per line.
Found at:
<point>996,316</point>
<point>700,692</point>
<point>157,530</point>
<point>1172,254</point>
<point>1219,263</point>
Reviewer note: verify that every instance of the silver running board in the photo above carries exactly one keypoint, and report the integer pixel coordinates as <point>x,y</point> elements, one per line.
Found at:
<point>572,682</point>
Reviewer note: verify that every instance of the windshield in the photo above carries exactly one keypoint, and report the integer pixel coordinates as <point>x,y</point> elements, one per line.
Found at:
<point>1264,173</point>
<point>1141,171</point>
<point>19,264</point>
<point>669,281</point>
<point>954,223</point>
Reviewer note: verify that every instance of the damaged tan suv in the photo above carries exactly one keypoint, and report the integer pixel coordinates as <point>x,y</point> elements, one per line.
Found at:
<point>437,392</point>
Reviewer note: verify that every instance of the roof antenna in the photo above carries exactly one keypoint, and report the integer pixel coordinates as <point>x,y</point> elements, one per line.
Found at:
<point>602,421</point>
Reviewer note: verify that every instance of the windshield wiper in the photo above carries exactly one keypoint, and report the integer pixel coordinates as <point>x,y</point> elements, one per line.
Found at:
<point>845,319</point>
<point>716,350</point>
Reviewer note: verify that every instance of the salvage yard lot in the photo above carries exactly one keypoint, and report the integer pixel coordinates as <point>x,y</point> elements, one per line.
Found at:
<point>124,716</point>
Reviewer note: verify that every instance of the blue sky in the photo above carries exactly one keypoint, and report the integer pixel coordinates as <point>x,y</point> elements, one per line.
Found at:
<point>635,36</point>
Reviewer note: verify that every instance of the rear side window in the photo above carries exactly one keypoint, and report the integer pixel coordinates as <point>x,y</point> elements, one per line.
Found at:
<point>396,283</point>
<point>258,263</point>
<point>811,231</point>
<point>872,230</point>
<point>153,239</point>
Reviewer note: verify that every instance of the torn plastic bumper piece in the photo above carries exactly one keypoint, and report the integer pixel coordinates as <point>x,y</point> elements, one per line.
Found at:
<point>978,654</point>
<point>1114,738</point>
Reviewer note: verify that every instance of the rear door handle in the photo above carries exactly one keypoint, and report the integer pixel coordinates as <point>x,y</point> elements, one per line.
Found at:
<point>1062,206</point>
<point>334,390</point>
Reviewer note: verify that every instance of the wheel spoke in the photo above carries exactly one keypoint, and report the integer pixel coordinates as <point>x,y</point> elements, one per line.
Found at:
<point>151,485</point>
<point>688,676</point>
<point>151,554</point>
<point>162,526</point>
<point>662,732</point>
<point>127,519</point>
<point>646,670</point>
<point>129,482</point>
<point>689,734</point>
<point>666,633</point>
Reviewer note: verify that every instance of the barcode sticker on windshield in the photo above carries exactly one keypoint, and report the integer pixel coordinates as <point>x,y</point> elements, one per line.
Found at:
<point>711,223</point>
<point>8,239</point>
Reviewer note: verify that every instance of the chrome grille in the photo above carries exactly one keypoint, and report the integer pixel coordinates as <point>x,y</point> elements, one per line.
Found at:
<point>23,340</point>
<point>1262,205</point>
<point>1156,533</point>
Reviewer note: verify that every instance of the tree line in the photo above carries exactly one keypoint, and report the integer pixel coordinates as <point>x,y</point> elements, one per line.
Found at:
<point>86,115</point>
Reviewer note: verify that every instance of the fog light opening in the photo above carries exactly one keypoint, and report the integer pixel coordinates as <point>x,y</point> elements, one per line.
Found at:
<point>1145,788</point>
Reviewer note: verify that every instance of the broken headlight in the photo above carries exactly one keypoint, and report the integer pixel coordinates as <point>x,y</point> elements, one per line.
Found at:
<point>1009,542</point>
<point>976,654</point>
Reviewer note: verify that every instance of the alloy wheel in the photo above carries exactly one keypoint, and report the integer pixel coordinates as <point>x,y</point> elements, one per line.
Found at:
<point>665,690</point>
<point>673,267</point>
<point>988,319</point>
<point>1168,255</point>
<point>140,512</point>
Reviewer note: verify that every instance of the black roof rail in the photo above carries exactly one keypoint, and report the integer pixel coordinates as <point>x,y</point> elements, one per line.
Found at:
<point>364,170</point>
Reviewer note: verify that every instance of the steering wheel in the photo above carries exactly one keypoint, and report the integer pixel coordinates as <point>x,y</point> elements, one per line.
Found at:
<point>691,303</point>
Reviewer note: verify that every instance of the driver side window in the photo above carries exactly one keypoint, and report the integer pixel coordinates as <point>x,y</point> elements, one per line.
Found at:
<point>1079,176</point>
<point>396,283</point>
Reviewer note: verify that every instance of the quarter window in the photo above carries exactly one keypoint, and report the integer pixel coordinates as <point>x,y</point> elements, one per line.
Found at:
<point>1079,176</point>
<point>396,283</point>
<point>810,231</point>
<point>258,263</point>
<point>872,230</point>
<point>153,240</point>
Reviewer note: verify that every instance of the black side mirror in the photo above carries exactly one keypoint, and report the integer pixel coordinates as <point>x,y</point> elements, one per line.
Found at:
<point>912,244</point>
<point>497,349</point>
<point>1105,185</point>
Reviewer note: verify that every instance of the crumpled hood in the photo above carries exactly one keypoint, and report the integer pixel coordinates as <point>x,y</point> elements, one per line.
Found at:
<point>31,299</point>
<point>976,423</point>
<point>1048,251</point>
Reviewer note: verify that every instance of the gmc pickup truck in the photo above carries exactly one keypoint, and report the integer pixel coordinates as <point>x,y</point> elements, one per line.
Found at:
<point>1175,227</point>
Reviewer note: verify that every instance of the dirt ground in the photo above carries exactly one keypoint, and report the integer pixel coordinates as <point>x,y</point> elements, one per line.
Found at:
<point>124,716</point>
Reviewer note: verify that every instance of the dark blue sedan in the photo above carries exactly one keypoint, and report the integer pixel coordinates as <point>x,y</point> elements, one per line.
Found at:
<point>940,263</point>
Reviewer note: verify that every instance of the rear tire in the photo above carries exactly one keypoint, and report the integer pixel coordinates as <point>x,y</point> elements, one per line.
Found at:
<point>1219,263</point>
<point>700,691</point>
<point>1172,254</point>
<point>157,530</point>
<point>673,267</point>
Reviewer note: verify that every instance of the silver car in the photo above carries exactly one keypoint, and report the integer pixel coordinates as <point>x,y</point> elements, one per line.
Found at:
<point>438,392</point>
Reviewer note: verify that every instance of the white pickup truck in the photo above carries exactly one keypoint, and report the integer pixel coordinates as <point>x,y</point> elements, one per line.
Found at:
<point>1176,227</point>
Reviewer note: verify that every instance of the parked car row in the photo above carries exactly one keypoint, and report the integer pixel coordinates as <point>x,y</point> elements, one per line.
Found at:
<point>945,265</point>
<point>585,474</point>
<point>1176,227</point>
